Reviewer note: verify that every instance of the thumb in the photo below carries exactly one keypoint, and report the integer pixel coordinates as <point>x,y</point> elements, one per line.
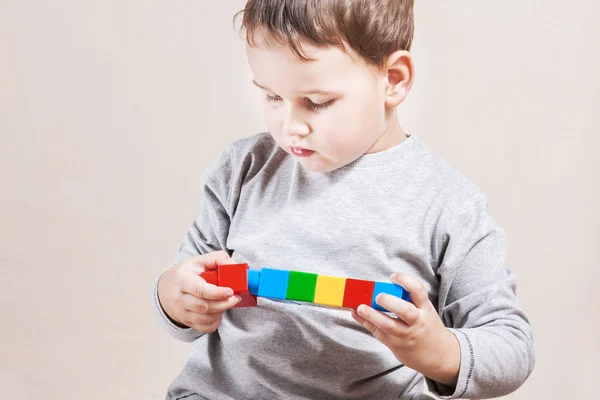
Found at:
<point>211,261</point>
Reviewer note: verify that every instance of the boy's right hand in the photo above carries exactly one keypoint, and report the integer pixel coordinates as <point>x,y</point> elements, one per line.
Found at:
<point>189,300</point>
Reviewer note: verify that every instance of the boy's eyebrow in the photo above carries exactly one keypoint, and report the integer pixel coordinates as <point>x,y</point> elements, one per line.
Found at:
<point>311,91</point>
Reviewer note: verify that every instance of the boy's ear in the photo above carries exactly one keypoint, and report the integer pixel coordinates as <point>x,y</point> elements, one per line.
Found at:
<point>399,72</point>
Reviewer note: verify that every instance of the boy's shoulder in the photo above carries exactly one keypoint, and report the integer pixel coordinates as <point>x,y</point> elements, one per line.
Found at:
<point>259,146</point>
<point>452,185</point>
<point>242,156</point>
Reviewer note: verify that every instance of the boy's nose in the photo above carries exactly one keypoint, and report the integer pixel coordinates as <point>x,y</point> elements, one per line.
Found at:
<point>296,129</point>
<point>294,126</point>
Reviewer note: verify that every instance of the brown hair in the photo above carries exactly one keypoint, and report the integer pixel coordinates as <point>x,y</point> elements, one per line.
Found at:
<point>373,28</point>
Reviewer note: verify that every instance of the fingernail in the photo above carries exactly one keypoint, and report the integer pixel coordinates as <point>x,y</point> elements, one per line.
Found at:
<point>230,292</point>
<point>394,276</point>
<point>361,309</point>
<point>238,299</point>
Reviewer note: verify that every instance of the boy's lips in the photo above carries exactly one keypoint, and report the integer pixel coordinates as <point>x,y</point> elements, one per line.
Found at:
<point>301,152</point>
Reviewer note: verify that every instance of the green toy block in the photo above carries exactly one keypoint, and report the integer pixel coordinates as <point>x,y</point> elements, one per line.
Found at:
<point>301,286</point>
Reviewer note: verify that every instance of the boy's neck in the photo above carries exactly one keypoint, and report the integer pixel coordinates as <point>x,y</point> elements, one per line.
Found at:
<point>392,136</point>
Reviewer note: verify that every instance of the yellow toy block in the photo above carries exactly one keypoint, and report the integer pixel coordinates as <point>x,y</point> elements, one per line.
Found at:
<point>330,290</point>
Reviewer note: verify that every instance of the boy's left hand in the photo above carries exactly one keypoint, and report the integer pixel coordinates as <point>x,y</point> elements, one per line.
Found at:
<point>418,338</point>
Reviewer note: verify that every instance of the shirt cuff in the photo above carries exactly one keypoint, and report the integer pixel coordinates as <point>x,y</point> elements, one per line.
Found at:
<point>465,372</point>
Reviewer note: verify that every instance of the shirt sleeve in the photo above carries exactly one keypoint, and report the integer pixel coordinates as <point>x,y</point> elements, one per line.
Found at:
<point>477,302</point>
<point>207,233</point>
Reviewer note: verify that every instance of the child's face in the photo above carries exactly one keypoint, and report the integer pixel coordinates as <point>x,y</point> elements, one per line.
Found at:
<point>327,112</point>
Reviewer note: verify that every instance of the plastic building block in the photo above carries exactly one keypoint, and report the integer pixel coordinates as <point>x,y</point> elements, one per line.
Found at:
<point>301,286</point>
<point>389,288</point>
<point>357,292</point>
<point>406,296</point>
<point>330,291</point>
<point>234,276</point>
<point>248,300</point>
<point>253,280</point>
<point>273,283</point>
<point>211,277</point>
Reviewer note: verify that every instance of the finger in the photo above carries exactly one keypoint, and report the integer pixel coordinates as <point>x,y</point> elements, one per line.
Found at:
<point>366,324</point>
<point>375,331</point>
<point>197,286</point>
<point>212,260</point>
<point>213,327</point>
<point>193,267</point>
<point>418,293</point>
<point>202,322</point>
<point>380,321</point>
<point>406,311</point>
<point>194,304</point>
<point>212,292</point>
<point>357,317</point>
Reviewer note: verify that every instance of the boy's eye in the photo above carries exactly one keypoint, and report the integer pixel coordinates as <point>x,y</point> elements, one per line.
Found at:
<point>318,107</point>
<point>273,99</point>
<point>313,106</point>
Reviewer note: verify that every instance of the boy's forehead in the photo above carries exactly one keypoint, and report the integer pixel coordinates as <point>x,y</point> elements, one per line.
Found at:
<point>274,62</point>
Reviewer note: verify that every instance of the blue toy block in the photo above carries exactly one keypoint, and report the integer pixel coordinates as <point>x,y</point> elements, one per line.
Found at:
<point>253,281</point>
<point>388,288</point>
<point>273,283</point>
<point>406,296</point>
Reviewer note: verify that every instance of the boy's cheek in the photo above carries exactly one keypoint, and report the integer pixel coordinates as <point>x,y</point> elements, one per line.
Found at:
<point>277,136</point>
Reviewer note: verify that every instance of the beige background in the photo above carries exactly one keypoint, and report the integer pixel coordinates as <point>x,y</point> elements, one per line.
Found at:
<point>110,110</point>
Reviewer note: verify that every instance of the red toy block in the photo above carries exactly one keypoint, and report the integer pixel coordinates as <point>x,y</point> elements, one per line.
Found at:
<point>357,292</point>
<point>234,276</point>
<point>248,300</point>
<point>210,277</point>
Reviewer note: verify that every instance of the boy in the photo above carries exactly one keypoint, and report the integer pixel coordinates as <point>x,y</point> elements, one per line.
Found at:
<point>338,188</point>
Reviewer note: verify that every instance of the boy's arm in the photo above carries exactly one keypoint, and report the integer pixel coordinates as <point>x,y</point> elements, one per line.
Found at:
<point>477,301</point>
<point>207,234</point>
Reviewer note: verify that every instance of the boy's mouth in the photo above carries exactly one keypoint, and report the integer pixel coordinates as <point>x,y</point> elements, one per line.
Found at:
<point>300,152</point>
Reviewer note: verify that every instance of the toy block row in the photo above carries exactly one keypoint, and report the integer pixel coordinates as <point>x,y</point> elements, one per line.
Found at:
<point>301,286</point>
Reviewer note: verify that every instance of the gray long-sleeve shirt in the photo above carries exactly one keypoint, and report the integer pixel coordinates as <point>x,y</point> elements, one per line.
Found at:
<point>402,209</point>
